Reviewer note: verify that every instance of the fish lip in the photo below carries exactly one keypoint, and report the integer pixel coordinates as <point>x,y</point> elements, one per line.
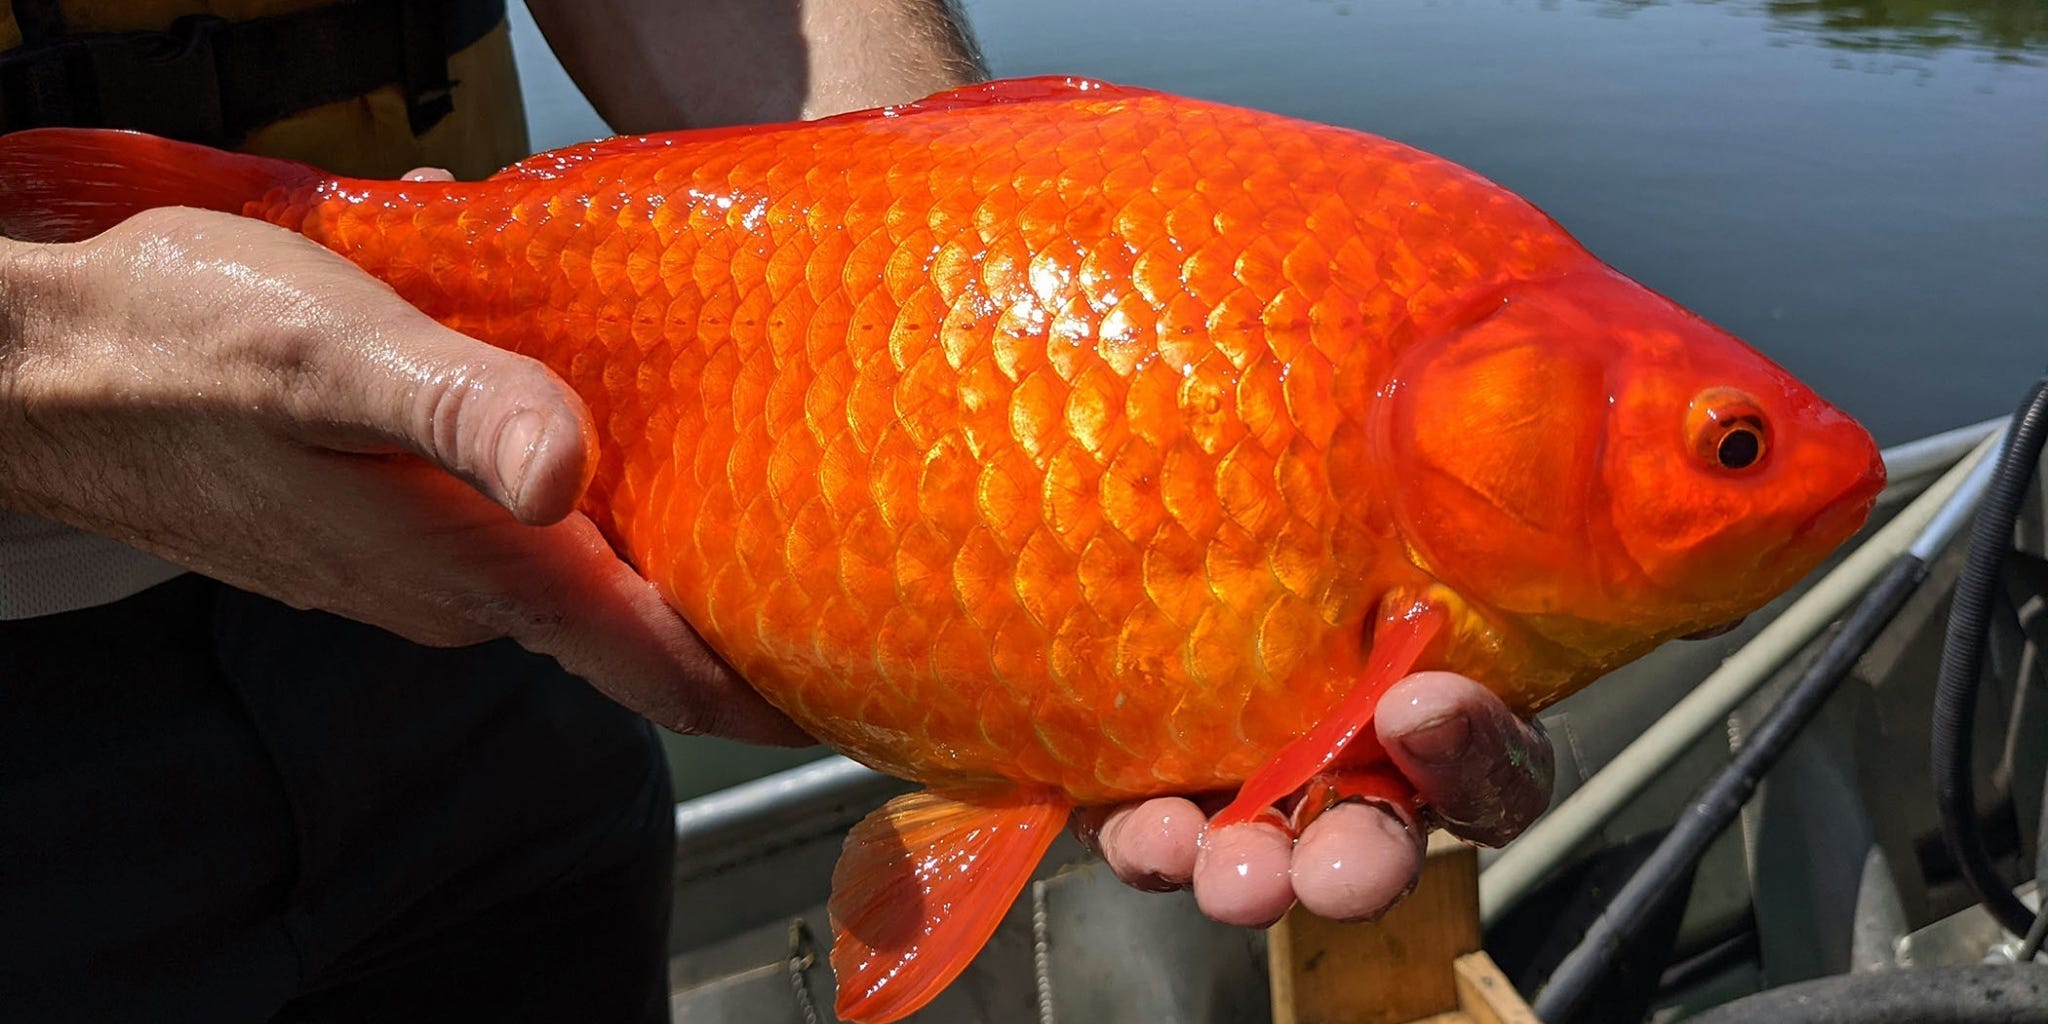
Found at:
<point>1844,514</point>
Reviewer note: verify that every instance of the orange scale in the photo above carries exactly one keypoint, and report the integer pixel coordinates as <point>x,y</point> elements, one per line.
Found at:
<point>1109,577</point>
<point>1004,725</point>
<point>843,475</point>
<point>1130,490</point>
<point>1262,404</point>
<point>1148,649</point>
<point>1018,652</point>
<point>809,545</point>
<point>758,539</point>
<point>985,427</point>
<point>1234,567</point>
<point>1005,499</point>
<point>1236,327</point>
<point>870,401</point>
<point>949,475</point>
<point>964,330</point>
<point>1042,221</point>
<point>780,630</point>
<point>723,604</point>
<point>1288,633</point>
<point>1067,733</point>
<point>916,326</point>
<point>923,569</point>
<point>650,321</point>
<point>1173,576</point>
<point>1105,275</point>
<point>868,259</point>
<point>1220,653</point>
<point>1072,509</point>
<point>825,265</point>
<point>1126,337</point>
<point>1306,268</point>
<point>826,334</point>
<point>1207,404</point>
<point>1246,492</point>
<point>1036,406</point>
<point>1299,558</point>
<point>924,399</point>
<point>1261,263</point>
<point>1092,408</point>
<point>957,657</point>
<point>981,579</point>
<point>1308,391</point>
<point>1187,487</point>
<point>900,644</point>
<point>842,637</point>
<point>895,467</point>
<point>1304,321</point>
<point>1043,578</point>
<point>1076,653</point>
<point>1159,273</point>
<point>782,409</point>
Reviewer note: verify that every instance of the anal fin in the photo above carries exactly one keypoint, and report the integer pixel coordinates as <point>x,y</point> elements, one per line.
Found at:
<point>920,887</point>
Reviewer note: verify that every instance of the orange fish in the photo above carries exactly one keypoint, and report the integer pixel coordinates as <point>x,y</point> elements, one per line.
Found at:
<point>1054,443</point>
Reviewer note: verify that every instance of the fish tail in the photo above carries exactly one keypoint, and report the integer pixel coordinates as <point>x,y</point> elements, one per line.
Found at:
<point>920,887</point>
<point>65,184</point>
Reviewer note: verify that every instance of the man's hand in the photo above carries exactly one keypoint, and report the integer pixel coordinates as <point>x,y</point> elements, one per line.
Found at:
<point>240,401</point>
<point>1484,773</point>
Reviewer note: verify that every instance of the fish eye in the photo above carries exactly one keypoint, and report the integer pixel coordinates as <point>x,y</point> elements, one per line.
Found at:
<point>1727,429</point>
<point>1740,448</point>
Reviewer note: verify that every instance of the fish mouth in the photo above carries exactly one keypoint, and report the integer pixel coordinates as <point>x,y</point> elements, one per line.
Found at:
<point>1841,518</point>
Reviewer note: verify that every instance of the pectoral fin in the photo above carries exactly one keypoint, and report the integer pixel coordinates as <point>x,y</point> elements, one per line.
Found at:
<point>920,887</point>
<point>1398,644</point>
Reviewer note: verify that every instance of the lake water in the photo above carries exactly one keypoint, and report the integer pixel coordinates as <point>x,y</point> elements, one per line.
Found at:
<point>1857,187</point>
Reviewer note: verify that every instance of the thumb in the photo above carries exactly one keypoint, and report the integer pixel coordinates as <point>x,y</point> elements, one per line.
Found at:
<point>500,421</point>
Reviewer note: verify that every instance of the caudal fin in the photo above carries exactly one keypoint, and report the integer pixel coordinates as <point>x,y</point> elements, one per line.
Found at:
<point>920,887</point>
<point>64,184</point>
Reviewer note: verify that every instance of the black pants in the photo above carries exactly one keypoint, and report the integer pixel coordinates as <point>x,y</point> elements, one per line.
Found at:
<point>216,808</point>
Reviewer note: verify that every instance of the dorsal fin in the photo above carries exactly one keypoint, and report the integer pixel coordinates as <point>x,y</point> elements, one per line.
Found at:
<point>555,162</point>
<point>1000,92</point>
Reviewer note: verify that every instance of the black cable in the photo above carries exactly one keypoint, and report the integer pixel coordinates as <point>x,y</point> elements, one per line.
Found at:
<point>1716,805</point>
<point>1962,661</point>
<point>1974,994</point>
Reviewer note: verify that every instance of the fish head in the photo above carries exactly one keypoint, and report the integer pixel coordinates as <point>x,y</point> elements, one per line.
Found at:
<point>1589,458</point>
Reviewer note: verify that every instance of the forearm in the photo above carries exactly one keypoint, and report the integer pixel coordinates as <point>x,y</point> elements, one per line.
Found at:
<point>650,65</point>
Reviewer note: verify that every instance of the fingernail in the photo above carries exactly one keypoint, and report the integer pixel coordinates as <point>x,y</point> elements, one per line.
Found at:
<point>518,441</point>
<point>1440,740</point>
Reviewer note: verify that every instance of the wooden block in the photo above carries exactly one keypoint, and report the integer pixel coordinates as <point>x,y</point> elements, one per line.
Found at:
<point>1391,971</point>
<point>1486,995</point>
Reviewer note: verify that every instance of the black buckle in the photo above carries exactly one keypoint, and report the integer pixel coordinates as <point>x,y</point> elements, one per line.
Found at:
<point>121,80</point>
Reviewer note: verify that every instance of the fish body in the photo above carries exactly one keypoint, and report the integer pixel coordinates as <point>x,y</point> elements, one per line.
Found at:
<point>1053,443</point>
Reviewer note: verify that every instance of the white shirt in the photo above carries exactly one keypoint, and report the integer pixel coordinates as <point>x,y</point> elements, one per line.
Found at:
<point>48,568</point>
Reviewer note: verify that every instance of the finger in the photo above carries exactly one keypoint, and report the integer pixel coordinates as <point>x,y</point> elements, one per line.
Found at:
<point>605,623</point>
<point>1242,874</point>
<point>1355,861</point>
<point>1484,771</point>
<point>500,421</point>
<point>427,174</point>
<point>1150,845</point>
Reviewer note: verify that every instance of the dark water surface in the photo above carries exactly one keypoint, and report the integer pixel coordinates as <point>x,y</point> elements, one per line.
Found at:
<point>1858,187</point>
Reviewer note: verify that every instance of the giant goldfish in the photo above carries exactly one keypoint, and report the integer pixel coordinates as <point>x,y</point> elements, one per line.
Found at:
<point>1054,443</point>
